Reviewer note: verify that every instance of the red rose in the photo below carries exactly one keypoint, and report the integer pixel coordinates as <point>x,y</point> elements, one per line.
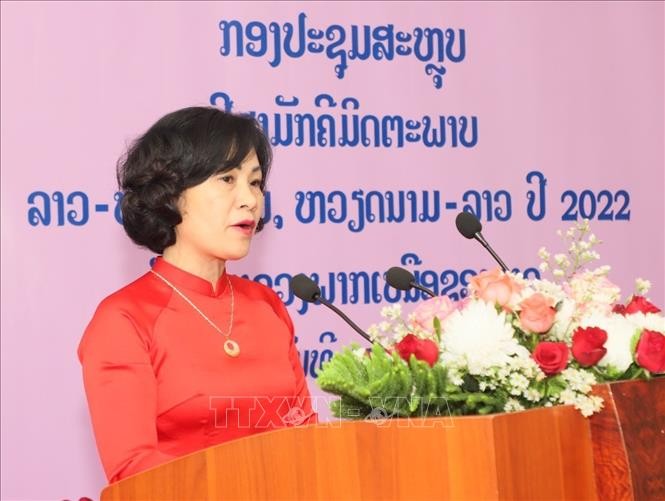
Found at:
<point>619,308</point>
<point>588,346</point>
<point>551,357</point>
<point>650,352</point>
<point>423,349</point>
<point>637,304</point>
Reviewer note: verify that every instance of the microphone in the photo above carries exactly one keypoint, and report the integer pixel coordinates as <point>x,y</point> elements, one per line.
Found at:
<point>306,289</point>
<point>469,226</point>
<point>403,280</point>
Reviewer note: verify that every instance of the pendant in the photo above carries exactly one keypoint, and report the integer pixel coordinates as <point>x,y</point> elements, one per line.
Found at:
<point>231,348</point>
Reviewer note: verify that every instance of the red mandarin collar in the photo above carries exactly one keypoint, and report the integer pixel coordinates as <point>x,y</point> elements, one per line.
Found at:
<point>185,280</point>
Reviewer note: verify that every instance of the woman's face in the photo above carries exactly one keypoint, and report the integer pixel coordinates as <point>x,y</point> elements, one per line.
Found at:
<point>219,216</point>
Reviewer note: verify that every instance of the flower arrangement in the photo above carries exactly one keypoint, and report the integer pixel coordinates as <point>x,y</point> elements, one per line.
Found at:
<point>511,344</point>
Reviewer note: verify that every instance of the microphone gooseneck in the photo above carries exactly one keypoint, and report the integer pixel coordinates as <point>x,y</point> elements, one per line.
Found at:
<point>469,226</point>
<point>306,289</point>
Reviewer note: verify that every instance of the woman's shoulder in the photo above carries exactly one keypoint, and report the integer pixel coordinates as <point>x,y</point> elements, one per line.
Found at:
<point>137,296</point>
<point>127,314</point>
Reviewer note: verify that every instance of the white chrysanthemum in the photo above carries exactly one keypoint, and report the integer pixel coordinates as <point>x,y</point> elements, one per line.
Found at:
<point>481,336</point>
<point>650,321</point>
<point>563,321</point>
<point>619,330</point>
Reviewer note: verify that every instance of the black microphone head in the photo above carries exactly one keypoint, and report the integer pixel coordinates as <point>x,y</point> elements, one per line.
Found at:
<point>305,288</point>
<point>468,224</point>
<point>399,278</point>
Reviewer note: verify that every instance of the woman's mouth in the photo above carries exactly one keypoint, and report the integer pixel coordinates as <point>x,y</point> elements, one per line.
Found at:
<point>247,226</point>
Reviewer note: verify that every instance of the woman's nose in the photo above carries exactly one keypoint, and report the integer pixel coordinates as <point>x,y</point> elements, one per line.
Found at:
<point>247,197</point>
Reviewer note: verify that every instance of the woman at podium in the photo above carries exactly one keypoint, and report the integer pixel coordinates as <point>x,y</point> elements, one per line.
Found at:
<point>189,356</point>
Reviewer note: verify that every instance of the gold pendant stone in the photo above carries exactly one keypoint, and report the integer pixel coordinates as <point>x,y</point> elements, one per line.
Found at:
<point>231,348</point>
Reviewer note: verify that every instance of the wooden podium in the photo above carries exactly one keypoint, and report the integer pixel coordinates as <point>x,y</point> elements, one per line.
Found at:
<point>550,453</point>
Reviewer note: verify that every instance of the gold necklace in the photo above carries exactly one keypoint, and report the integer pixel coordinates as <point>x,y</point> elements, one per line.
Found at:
<point>230,346</point>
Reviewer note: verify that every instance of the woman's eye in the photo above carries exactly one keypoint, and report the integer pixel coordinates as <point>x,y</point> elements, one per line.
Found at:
<point>226,179</point>
<point>257,183</point>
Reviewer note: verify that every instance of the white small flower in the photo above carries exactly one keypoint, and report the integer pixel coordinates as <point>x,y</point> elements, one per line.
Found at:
<point>359,353</point>
<point>567,396</point>
<point>373,331</point>
<point>513,405</point>
<point>455,377</point>
<point>560,259</point>
<point>558,273</point>
<point>518,383</point>
<point>543,266</point>
<point>642,286</point>
<point>392,312</point>
<point>579,380</point>
<point>543,254</point>
<point>533,395</point>
<point>503,373</point>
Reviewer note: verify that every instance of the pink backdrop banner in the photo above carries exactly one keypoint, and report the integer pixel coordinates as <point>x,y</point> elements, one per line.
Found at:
<point>387,119</point>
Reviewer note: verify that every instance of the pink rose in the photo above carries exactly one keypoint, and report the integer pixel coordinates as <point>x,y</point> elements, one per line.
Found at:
<point>495,286</point>
<point>439,306</point>
<point>537,313</point>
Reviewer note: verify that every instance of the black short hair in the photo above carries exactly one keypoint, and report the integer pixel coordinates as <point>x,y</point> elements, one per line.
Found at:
<point>181,150</point>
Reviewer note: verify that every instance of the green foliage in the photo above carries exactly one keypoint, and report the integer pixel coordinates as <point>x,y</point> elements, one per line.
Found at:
<point>381,384</point>
<point>436,323</point>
